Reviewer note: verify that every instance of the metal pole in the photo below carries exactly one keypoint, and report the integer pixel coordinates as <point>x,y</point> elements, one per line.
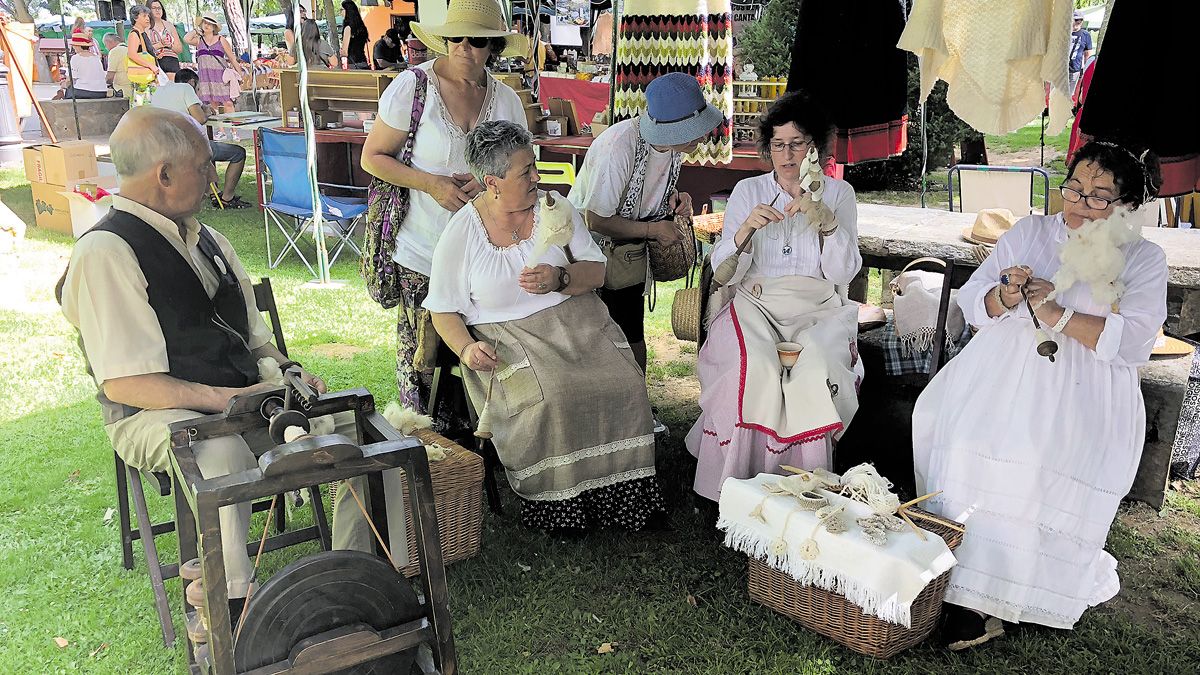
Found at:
<point>62,19</point>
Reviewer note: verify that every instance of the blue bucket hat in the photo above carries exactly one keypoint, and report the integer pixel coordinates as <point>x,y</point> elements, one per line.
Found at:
<point>676,112</point>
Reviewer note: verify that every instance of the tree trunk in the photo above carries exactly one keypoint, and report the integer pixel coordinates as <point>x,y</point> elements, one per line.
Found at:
<point>335,36</point>
<point>235,18</point>
<point>20,11</point>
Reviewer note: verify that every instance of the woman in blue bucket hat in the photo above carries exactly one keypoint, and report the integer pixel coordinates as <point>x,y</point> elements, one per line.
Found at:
<point>626,189</point>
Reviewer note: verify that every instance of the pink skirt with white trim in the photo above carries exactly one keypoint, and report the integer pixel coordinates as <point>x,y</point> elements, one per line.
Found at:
<point>722,448</point>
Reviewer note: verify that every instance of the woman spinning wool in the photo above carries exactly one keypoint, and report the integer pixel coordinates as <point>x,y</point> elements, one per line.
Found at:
<point>756,414</point>
<point>1033,455</point>
<point>545,364</point>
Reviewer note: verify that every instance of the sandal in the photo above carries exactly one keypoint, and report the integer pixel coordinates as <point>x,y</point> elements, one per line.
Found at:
<point>234,202</point>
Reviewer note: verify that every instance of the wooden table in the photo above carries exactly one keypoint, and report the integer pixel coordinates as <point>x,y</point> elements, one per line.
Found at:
<point>890,237</point>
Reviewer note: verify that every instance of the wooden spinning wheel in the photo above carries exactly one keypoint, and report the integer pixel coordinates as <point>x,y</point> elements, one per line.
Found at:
<point>323,603</point>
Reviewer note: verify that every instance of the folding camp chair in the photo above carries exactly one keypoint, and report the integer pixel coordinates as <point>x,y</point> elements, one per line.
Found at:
<point>997,187</point>
<point>556,173</point>
<point>290,205</point>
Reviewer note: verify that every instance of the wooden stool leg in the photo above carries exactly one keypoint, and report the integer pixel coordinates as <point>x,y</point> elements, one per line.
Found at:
<point>156,576</point>
<point>280,514</point>
<point>126,529</point>
<point>322,523</point>
<point>489,478</point>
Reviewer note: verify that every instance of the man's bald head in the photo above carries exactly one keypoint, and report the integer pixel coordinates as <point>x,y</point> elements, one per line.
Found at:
<point>147,136</point>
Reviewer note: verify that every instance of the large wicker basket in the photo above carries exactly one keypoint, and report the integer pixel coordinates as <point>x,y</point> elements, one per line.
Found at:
<point>834,616</point>
<point>458,498</point>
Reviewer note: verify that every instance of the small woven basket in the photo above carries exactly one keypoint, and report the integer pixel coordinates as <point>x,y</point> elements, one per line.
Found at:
<point>458,500</point>
<point>685,314</point>
<point>833,616</point>
<point>708,225</point>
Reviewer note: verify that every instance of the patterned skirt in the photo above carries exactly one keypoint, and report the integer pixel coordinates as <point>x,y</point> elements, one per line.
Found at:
<point>212,89</point>
<point>663,36</point>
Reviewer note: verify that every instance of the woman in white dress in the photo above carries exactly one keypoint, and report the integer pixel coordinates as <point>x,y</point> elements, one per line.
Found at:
<point>755,415</point>
<point>1033,455</point>
<point>457,93</point>
<point>564,399</point>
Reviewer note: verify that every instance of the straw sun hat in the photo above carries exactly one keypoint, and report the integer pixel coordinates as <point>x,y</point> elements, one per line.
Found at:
<point>80,40</point>
<point>989,225</point>
<point>209,18</point>
<point>472,18</point>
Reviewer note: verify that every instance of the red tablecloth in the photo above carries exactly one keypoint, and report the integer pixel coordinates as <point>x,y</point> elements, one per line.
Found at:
<point>589,97</point>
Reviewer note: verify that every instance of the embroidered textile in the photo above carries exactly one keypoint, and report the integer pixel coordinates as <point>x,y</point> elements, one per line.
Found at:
<point>656,37</point>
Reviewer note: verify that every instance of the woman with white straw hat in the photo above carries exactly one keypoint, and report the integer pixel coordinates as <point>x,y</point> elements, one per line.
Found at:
<point>448,97</point>
<point>213,55</point>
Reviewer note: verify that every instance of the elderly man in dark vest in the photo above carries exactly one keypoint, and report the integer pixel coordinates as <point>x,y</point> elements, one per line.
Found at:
<point>166,314</point>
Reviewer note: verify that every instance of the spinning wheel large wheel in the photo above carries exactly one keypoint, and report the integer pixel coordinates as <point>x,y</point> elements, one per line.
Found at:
<point>321,593</point>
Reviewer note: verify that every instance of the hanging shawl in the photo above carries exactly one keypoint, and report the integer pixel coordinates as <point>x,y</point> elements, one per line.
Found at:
<point>656,37</point>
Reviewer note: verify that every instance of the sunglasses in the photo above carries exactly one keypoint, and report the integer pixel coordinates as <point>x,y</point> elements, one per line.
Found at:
<point>476,42</point>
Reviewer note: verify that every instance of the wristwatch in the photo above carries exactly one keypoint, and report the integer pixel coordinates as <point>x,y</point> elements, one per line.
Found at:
<point>564,278</point>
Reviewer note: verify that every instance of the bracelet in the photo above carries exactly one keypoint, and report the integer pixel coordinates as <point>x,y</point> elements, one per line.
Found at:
<point>459,353</point>
<point>1062,322</point>
<point>1000,298</point>
<point>811,501</point>
<point>288,364</point>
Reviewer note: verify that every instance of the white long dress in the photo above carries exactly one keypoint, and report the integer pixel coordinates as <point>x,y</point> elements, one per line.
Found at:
<point>1035,456</point>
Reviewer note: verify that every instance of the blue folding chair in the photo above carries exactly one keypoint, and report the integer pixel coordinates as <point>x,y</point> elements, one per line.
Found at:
<point>290,205</point>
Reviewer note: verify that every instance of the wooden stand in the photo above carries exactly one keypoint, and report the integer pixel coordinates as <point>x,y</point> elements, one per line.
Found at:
<point>301,463</point>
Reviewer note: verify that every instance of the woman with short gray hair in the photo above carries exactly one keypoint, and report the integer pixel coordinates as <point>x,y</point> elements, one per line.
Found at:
<point>550,373</point>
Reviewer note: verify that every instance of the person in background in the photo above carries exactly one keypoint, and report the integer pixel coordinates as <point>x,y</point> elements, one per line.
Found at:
<point>460,93</point>
<point>214,55</point>
<point>626,188</point>
<point>317,52</point>
<point>388,52</point>
<point>1081,50</point>
<point>141,67</point>
<point>117,77</point>
<point>181,97</point>
<point>80,27</point>
<point>87,71</point>
<point>354,37</point>
<point>289,26</point>
<point>164,39</point>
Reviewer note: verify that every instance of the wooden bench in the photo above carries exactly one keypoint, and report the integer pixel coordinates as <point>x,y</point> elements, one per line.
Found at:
<point>882,430</point>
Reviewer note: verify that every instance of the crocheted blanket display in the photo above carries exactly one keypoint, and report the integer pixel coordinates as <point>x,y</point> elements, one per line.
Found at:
<point>663,36</point>
<point>847,540</point>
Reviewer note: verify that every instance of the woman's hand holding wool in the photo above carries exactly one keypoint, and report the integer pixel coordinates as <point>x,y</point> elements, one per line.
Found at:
<point>1011,281</point>
<point>479,356</point>
<point>539,280</point>
<point>760,217</point>
<point>1048,311</point>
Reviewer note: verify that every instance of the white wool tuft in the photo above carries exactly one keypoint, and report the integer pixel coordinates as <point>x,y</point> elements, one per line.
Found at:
<point>555,226</point>
<point>269,372</point>
<point>1093,255</point>
<point>406,420</point>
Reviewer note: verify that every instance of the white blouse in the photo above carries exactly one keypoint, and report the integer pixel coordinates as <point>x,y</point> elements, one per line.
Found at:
<point>89,73</point>
<point>440,149</point>
<point>477,279</point>
<point>608,168</point>
<point>791,247</point>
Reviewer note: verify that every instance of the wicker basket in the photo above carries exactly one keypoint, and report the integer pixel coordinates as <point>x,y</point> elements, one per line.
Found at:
<point>458,499</point>
<point>834,616</point>
<point>708,225</point>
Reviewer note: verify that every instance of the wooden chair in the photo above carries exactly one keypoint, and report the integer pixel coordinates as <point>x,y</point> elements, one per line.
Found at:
<point>129,482</point>
<point>448,364</point>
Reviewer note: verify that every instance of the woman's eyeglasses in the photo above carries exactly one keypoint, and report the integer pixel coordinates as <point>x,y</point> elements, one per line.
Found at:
<point>797,147</point>
<point>1074,196</point>
<point>476,42</point>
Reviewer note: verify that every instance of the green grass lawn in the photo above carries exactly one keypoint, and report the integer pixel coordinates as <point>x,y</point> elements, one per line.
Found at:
<point>672,602</point>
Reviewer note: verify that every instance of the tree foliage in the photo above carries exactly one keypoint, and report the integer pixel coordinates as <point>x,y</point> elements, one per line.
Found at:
<point>767,43</point>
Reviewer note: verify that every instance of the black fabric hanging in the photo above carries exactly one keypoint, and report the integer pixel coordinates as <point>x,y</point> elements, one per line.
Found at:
<point>845,57</point>
<point>1142,93</point>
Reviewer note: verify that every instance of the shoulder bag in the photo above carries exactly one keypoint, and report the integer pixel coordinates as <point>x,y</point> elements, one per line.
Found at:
<point>387,205</point>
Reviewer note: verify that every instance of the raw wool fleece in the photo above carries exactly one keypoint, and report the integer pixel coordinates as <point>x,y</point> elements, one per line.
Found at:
<point>406,421</point>
<point>555,226</point>
<point>1093,255</point>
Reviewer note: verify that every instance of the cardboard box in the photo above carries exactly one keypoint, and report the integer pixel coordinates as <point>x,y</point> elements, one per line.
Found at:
<point>60,163</point>
<point>555,125</point>
<point>598,128</point>
<point>52,209</point>
<point>526,96</point>
<point>566,108</point>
